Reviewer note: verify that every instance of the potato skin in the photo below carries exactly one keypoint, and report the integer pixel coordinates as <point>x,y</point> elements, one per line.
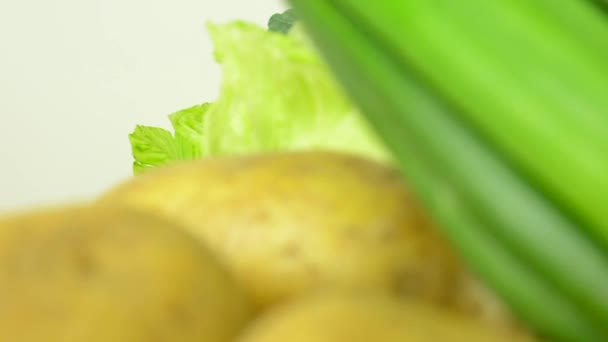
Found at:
<point>365,317</point>
<point>106,274</point>
<point>290,222</point>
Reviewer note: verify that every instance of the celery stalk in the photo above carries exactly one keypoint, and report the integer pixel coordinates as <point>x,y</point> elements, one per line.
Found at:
<point>508,231</point>
<point>525,76</point>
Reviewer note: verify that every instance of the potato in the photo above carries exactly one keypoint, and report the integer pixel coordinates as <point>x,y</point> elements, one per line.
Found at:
<point>290,222</point>
<point>366,317</point>
<point>99,274</point>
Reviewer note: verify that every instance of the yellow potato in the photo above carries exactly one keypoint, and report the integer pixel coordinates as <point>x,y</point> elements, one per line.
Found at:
<point>290,222</point>
<point>369,317</point>
<point>98,275</point>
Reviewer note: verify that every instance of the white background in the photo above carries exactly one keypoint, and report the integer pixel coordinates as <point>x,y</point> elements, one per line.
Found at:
<point>76,76</point>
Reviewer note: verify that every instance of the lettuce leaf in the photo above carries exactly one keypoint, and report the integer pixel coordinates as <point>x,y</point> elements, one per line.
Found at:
<point>153,146</point>
<point>188,126</point>
<point>276,95</point>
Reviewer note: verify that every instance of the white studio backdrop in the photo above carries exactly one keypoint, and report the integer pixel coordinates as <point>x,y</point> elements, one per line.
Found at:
<point>76,76</point>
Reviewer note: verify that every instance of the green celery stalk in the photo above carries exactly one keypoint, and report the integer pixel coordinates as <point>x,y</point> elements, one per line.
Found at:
<point>527,75</point>
<point>519,256</point>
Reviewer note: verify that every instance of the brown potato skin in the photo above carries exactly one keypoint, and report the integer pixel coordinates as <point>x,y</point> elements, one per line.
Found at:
<point>291,222</point>
<point>101,274</point>
<point>365,317</point>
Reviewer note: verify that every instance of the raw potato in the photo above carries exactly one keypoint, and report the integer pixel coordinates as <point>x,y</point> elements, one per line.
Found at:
<point>98,275</point>
<point>369,317</point>
<point>290,222</point>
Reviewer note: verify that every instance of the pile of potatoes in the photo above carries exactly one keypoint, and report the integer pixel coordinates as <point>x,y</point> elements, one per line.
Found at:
<point>292,246</point>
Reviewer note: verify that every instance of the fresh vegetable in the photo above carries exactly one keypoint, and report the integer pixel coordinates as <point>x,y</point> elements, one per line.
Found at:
<point>282,22</point>
<point>365,317</point>
<point>276,95</point>
<point>98,274</point>
<point>496,113</point>
<point>290,222</point>
<point>154,147</point>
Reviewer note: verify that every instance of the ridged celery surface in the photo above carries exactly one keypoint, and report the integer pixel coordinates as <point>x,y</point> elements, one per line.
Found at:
<point>498,114</point>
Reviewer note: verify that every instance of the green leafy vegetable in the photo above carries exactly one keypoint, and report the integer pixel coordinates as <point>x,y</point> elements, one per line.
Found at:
<point>282,22</point>
<point>276,94</point>
<point>188,126</point>
<point>153,147</point>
